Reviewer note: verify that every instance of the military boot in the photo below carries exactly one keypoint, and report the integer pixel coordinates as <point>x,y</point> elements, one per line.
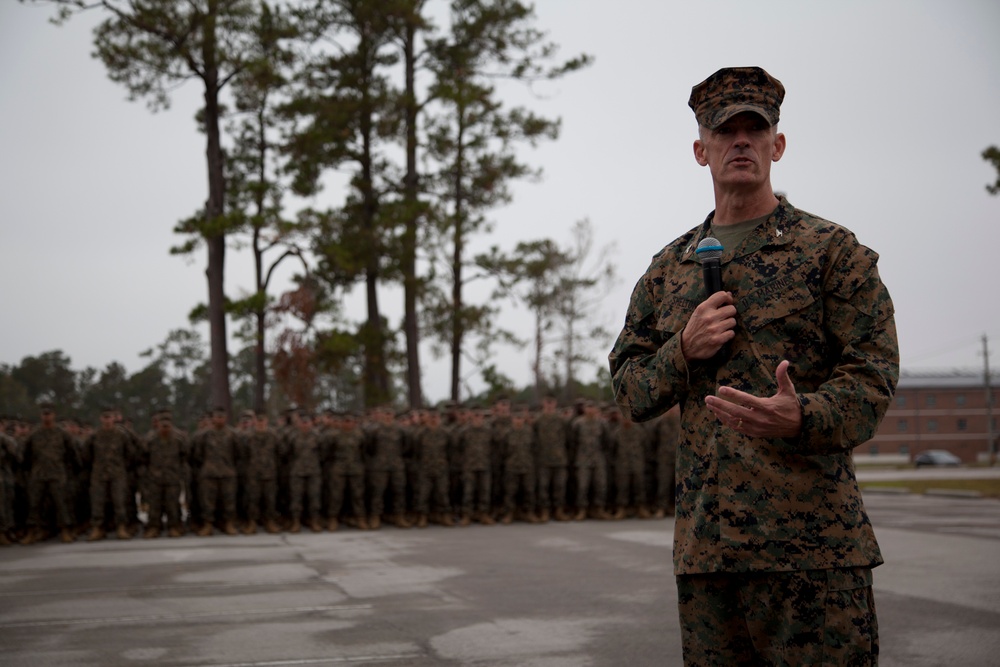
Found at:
<point>230,528</point>
<point>332,524</point>
<point>175,531</point>
<point>421,521</point>
<point>96,533</point>
<point>315,525</point>
<point>32,536</point>
<point>152,532</point>
<point>272,527</point>
<point>485,519</point>
<point>296,526</point>
<point>560,514</point>
<point>374,522</point>
<point>402,522</point>
<point>250,528</point>
<point>122,532</point>
<point>507,518</point>
<point>465,519</point>
<point>447,519</point>
<point>363,523</point>
<point>643,512</point>
<point>580,515</point>
<point>543,516</point>
<point>67,535</point>
<point>618,515</point>
<point>205,530</point>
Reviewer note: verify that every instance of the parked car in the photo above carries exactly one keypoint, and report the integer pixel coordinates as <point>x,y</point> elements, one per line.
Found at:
<point>936,457</point>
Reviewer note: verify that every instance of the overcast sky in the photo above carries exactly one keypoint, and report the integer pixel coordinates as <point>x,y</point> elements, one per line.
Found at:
<point>888,107</point>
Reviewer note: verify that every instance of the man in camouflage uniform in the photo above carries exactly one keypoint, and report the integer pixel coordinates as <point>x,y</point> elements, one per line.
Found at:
<point>431,444</point>
<point>305,473</point>
<point>386,468</point>
<point>518,450</point>
<point>779,376</point>
<point>10,458</point>
<point>110,452</point>
<point>262,449</point>
<point>214,451</point>
<point>550,438</point>
<point>165,463</point>
<point>474,449</point>
<point>345,446</point>
<point>629,442</point>
<point>664,432</point>
<point>49,455</point>
<point>587,434</point>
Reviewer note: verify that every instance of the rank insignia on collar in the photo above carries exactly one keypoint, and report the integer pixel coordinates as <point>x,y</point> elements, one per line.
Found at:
<point>778,233</point>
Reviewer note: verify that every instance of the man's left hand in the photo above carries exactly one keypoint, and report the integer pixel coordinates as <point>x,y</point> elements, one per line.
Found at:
<point>778,416</point>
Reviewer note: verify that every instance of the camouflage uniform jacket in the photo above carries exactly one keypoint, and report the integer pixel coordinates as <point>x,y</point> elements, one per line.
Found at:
<point>261,454</point>
<point>519,450</point>
<point>347,451</point>
<point>49,454</point>
<point>166,458</point>
<point>386,444</point>
<point>304,454</point>
<point>215,452</point>
<point>550,434</point>
<point>474,447</point>
<point>110,453</point>
<point>431,446</point>
<point>587,435</point>
<point>629,446</point>
<point>805,290</point>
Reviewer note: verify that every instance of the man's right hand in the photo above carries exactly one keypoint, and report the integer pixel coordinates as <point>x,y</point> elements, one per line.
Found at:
<point>712,325</point>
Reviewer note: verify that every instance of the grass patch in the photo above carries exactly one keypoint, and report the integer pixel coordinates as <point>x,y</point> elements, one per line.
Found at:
<point>987,487</point>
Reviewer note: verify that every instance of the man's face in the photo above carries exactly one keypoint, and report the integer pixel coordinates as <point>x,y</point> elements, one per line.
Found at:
<point>740,151</point>
<point>48,418</point>
<point>107,420</point>
<point>164,427</point>
<point>261,423</point>
<point>218,419</point>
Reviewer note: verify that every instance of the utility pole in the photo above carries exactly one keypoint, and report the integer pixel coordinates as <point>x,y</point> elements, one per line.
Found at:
<point>989,403</point>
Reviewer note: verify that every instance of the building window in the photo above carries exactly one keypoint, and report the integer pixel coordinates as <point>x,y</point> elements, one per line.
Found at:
<point>873,450</point>
<point>901,425</point>
<point>962,425</point>
<point>932,425</point>
<point>904,449</point>
<point>960,399</point>
<point>901,401</point>
<point>931,400</point>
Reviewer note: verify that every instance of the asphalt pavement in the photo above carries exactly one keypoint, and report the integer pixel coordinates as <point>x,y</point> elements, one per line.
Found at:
<point>581,594</point>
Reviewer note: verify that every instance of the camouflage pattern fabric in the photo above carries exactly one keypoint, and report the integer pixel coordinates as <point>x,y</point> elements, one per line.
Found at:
<point>629,442</point>
<point>744,619</point>
<point>805,290</point>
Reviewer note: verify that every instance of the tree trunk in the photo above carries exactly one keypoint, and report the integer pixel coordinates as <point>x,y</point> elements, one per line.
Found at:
<point>215,207</point>
<point>457,318</point>
<point>409,241</point>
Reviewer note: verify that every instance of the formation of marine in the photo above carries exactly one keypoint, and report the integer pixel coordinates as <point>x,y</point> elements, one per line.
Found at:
<point>450,466</point>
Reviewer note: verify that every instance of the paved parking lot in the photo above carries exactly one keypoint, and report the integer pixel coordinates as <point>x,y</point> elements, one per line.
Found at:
<point>575,594</point>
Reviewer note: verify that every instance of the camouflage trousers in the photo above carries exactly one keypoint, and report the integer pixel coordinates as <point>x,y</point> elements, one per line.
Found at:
<point>808,617</point>
<point>591,479</point>
<point>380,480</point>
<point>56,490</point>
<point>477,494</point>
<point>6,503</point>
<point>162,499</point>
<point>436,482</point>
<point>260,492</point>
<point>337,484</point>
<point>213,489</point>
<point>630,482</point>
<point>512,482</point>
<point>552,487</point>
<point>306,488</point>
<point>114,489</point>
<point>665,487</point>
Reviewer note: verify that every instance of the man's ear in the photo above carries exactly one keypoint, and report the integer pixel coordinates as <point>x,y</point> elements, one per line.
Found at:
<point>779,147</point>
<point>699,153</point>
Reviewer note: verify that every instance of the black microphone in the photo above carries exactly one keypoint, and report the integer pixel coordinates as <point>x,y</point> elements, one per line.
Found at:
<point>709,253</point>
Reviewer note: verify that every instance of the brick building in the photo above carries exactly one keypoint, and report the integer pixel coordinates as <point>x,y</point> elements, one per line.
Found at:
<point>936,411</point>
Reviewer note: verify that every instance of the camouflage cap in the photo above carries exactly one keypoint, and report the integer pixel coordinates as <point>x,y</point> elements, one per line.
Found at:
<point>733,90</point>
